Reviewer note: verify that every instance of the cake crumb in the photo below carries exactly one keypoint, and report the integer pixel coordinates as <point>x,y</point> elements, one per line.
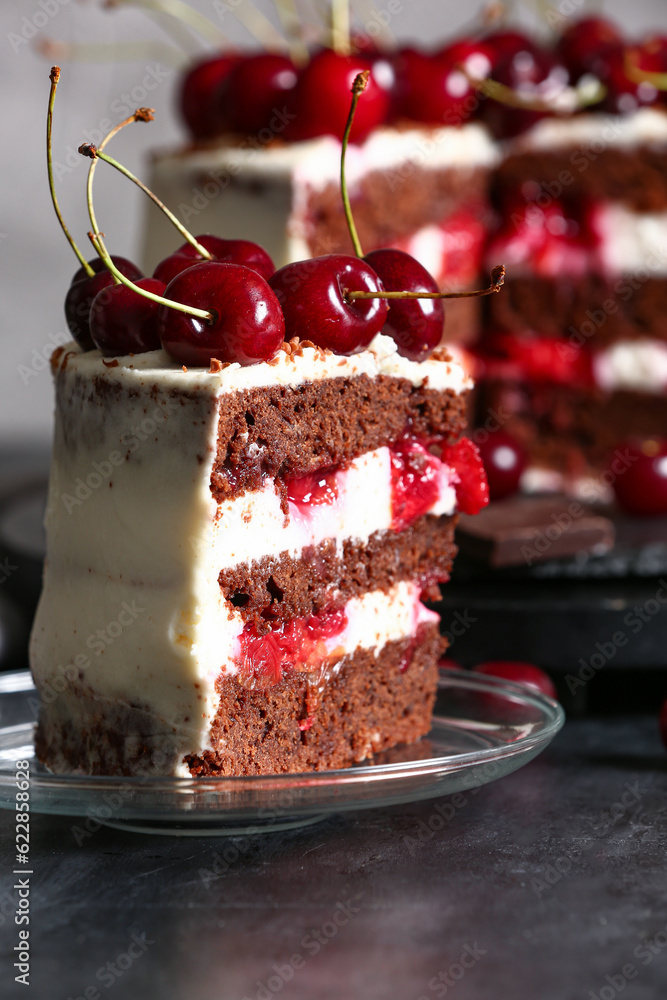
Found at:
<point>216,366</point>
<point>110,364</point>
<point>441,354</point>
<point>286,348</point>
<point>184,368</point>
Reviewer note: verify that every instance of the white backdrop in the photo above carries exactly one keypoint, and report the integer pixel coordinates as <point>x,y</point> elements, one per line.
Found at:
<point>36,265</point>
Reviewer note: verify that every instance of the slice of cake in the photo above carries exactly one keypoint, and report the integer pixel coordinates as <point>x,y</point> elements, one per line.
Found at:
<point>237,559</point>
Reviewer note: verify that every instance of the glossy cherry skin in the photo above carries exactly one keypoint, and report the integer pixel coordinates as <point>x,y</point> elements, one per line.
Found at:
<point>433,89</point>
<point>124,322</point>
<point>504,460</point>
<point>662,723</point>
<point>504,44</point>
<point>83,290</point>
<point>641,487</point>
<point>199,102</point>
<point>518,673</point>
<point>248,326</point>
<point>312,295</point>
<point>623,94</point>
<point>256,90</point>
<point>416,325</point>
<point>322,98</point>
<point>582,45</point>
<point>532,73</point>
<point>244,252</point>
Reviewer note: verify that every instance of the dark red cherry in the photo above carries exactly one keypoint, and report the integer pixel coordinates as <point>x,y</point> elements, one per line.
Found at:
<point>582,46</point>
<point>256,90</point>
<point>312,489</point>
<point>312,294</point>
<point>446,663</point>
<point>83,290</point>
<point>662,723</point>
<point>504,461</point>
<point>433,89</point>
<point>244,252</point>
<point>533,74</point>
<point>198,101</point>
<point>518,673</point>
<point>124,322</point>
<point>639,470</point>
<point>415,324</point>
<point>322,98</point>
<point>623,94</point>
<point>248,324</point>
<point>472,490</point>
<point>504,44</point>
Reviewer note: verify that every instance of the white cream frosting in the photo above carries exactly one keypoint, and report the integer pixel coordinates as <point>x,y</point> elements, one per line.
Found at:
<point>631,241</point>
<point>639,365</point>
<point>595,130</point>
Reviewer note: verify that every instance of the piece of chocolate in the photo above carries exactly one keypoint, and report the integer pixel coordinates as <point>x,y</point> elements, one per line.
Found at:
<point>522,531</point>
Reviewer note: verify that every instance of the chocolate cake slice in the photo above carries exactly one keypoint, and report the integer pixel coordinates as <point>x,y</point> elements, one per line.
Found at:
<point>237,559</point>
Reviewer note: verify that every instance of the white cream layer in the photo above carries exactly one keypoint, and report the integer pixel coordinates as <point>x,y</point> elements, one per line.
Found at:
<point>639,365</point>
<point>594,131</point>
<point>254,526</point>
<point>631,241</point>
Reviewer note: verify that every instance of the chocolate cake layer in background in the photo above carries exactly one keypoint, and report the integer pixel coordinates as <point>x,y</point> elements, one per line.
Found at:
<point>591,309</point>
<point>288,587</point>
<point>572,430</point>
<point>365,704</point>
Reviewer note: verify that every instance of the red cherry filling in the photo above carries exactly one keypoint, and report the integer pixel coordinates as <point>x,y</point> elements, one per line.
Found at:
<point>504,462</point>
<point>83,290</point>
<point>123,322</point>
<point>312,294</point>
<point>247,325</point>
<point>536,359</point>
<point>640,484</point>
<point>472,490</point>
<point>415,325</point>
<point>244,252</point>
<point>298,644</point>
<point>518,673</point>
<point>256,90</point>
<point>312,490</point>
<point>198,99</point>
<point>322,98</point>
<point>415,482</point>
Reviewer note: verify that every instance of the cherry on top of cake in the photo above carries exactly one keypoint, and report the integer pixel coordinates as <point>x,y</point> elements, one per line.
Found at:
<point>222,301</point>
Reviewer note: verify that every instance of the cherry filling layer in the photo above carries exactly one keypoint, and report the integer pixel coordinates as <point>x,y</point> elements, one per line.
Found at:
<point>301,644</point>
<point>550,240</point>
<point>535,359</point>
<point>451,250</point>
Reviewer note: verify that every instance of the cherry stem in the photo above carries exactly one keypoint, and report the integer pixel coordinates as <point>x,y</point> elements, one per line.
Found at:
<point>358,87</point>
<point>54,76</point>
<point>638,75</point>
<point>497,281</point>
<point>181,12</point>
<point>111,52</point>
<point>505,95</point>
<point>140,115</point>
<point>340,27</point>
<point>88,149</point>
<point>98,243</point>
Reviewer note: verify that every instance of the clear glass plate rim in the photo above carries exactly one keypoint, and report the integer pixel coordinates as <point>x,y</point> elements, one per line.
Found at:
<point>553,718</point>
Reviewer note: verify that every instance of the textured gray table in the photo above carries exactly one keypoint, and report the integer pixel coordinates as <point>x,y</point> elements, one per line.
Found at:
<point>550,884</point>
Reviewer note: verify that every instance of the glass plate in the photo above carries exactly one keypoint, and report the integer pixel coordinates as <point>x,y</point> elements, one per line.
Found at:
<point>483,729</point>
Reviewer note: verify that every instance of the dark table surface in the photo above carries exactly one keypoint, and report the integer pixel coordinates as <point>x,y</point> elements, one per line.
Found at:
<point>550,884</point>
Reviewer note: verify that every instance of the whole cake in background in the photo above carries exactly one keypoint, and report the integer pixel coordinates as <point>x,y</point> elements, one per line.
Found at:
<point>494,146</point>
<point>243,521</point>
